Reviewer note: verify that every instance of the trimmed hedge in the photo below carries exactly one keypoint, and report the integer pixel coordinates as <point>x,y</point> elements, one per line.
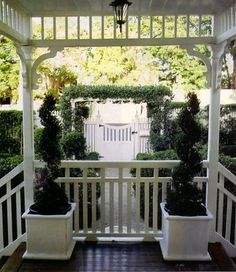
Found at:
<point>7,163</point>
<point>11,131</point>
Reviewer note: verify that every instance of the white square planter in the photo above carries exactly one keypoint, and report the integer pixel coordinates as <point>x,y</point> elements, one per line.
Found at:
<point>49,236</point>
<point>185,237</point>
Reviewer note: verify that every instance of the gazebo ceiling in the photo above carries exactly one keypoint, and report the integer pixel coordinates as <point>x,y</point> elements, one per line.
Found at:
<point>101,7</point>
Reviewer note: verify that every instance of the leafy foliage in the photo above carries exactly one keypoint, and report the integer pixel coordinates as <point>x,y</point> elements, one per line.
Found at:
<point>155,96</point>
<point>56,78</point>
<point>184,197</point>
<point>9,70</point>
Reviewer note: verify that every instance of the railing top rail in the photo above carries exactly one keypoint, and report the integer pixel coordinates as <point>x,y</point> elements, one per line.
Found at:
<point>19,168</point>
<point>226,173</point>
<point>117,164</point>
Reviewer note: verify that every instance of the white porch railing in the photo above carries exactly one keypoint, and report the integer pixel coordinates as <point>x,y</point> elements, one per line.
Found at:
<point>128,205</point>
<point>226,210</point>
<point>12,226</point>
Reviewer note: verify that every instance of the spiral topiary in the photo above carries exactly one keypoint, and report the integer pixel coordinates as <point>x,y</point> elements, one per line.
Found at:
<point>183,196</point>
<point>49,197</point>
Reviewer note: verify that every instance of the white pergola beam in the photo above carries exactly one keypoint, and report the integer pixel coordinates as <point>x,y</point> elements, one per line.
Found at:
<point>122,42</point>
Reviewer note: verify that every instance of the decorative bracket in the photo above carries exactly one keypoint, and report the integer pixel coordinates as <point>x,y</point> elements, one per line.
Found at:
<point>51,54</point>
<point>218,51</point>
<point>29,67</point>
<point>192,50</point>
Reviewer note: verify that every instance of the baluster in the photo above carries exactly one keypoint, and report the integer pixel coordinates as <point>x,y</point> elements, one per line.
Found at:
<point>9,213</point>
<point>234,223</point>
<point>90,28</point>
<point>42,28</point>
<point>228,218</point>
<point>1,227</point>
<point>234,15</point>
<point>127,28</point>
<point>66,28</point>
<point>146,205</point>
<point>221,202</point>
<point>129,197</point>
<point>120,200</point>
<point>103,28</point>
<point>77,210</point>
<point>139,27</point>
<point>103,212</point>
<point>85,200</point>
<point>1,11</point>
<point>10,16</point>
<point>67,184</point>
<point>187,27</point>
<point>155,200</point>
<point>5,11</point>
<point>94,206</point>
<point>175,26</point>
<point>228,16</point>
<point>54,24</point>
<point>151,27</point>
<point>163,27</point>
<point>18,214</point>
<point>78,27</point>
<point>138,174</point>
<point>200,26</point>
<point>111,200</point>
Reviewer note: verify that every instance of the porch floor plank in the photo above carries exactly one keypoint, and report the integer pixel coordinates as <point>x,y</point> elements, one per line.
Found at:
<point>102,257</point>
<point>13,263</point>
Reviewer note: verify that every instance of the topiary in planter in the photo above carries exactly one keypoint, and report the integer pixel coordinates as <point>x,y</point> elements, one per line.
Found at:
<point>49,197</point>
<point>184,197</point>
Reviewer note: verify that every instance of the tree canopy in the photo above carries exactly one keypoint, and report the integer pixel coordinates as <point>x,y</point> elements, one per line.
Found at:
<point>9,70</point>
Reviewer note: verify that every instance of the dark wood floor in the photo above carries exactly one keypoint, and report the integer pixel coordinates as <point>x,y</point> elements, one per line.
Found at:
<point>115,256</point>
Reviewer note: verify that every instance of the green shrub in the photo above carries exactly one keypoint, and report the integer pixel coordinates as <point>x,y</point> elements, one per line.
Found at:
<point>74,144</point>
<point>183,196</point>
<point>92,156</point>
<point>49,197</point>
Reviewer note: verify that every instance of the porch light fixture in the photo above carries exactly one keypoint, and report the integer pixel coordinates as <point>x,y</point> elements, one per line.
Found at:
<point>120,9</point>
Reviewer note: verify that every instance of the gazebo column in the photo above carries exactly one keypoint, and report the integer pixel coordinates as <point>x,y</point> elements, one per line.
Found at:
<point>213,132</point>
<point>25,53</point>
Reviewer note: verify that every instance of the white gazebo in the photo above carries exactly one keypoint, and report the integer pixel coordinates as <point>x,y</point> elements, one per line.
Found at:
<point>214,25</point>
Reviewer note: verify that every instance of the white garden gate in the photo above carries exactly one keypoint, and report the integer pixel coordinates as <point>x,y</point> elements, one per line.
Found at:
<point>118,141</point>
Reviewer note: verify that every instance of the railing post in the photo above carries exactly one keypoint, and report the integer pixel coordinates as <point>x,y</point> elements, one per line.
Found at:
<point>25,53</point>
<point>213,132</point>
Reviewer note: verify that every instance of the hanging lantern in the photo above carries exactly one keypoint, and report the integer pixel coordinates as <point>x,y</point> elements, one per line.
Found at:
<point>120,8</point>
